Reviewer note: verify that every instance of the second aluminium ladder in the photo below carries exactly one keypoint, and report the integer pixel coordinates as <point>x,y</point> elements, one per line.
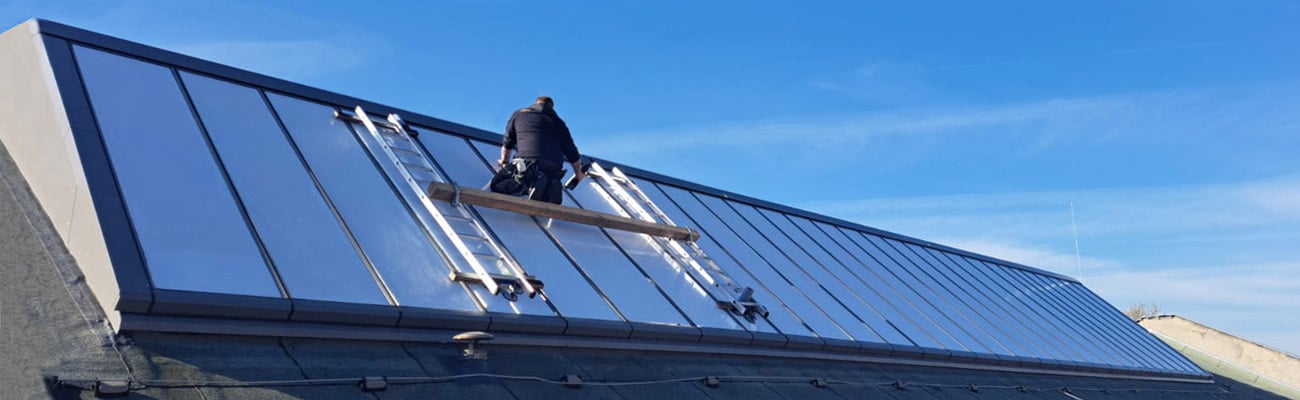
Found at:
<point>720,286</point>
<point>487,262</point>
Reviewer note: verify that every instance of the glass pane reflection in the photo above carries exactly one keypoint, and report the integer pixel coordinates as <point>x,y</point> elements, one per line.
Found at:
<point>193,234</point>
<point>314,257</point>
<point>400,250</point>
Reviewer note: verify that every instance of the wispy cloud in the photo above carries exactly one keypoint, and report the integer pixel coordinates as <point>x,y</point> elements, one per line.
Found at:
<point>293,60</point>
<point>1190,118</point>
<point>854,130</point>
<point>882,83</point>
<point>1145,210</point>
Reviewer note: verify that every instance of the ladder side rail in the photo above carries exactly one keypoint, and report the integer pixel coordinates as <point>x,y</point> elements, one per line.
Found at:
<point>520,275</point>
<point>739,298</point>
<point>641,198</point>
<point>615,188</point>
<point>671,247</point>
<point>484,276</point>
<point>680,259</point>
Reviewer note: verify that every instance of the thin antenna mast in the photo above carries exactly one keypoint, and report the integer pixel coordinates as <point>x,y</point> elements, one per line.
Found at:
<point>1078,261</point>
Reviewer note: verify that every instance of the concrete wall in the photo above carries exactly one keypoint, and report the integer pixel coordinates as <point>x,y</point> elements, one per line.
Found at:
<point>35,130</point>
<point>1229,355</point>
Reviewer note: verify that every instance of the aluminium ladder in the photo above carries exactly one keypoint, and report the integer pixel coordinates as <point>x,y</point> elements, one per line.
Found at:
<point>476,247</point>
<point>721,287</point>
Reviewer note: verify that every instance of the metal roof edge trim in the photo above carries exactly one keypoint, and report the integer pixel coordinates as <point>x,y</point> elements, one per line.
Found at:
<point>225,326</point>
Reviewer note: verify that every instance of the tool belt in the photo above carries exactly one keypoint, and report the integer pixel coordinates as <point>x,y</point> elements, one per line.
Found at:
<point>536,178</point>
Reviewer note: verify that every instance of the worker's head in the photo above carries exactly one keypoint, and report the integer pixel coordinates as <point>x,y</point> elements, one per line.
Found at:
<point>546,101</point>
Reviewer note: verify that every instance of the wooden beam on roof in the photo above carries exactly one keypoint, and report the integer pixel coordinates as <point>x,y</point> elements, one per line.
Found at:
<point>445,192</point>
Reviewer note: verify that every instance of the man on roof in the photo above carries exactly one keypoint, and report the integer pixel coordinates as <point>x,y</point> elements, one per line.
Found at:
<point>542,142</point>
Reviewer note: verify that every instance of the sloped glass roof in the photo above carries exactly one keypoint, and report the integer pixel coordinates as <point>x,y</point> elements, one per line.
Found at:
<point>239,189</point>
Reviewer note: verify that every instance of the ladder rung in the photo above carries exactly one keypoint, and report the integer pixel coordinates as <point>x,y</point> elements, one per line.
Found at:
<point>403,146</point>
<point>457,218</point>
<point>490,256</point>
<point>417,167</point>
<point>474,236</point>
<point>456,222</point>
<point>408,151</point>
<point>466,225</point>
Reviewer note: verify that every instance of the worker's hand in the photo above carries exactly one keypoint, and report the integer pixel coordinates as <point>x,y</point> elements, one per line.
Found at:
<point>577,174</point>
<point>501,164</point>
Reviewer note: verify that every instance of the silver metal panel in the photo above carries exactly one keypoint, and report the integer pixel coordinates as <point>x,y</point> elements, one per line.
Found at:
<point>885,270</point>
<point>781,317</point>
<point>1116,332</point>
<point>1036,316</point>
<point>671,210</point>
<point>188,224</point>
<point>923,331</point>
<point>1064,325</point>
<point>843,266</point>
<point>999,320</point>
<point>830,273</point>
<point>1105,348</point>
<point>1139,335</point>
<point>811,278</point>
<point>632,293</point>
<point>1120,349</point>
<point>565,287</point>
<point>958,307</point>
<point>692,299</point>
<point>314,257</point>
<point>400,250</point>
<point>748,246</point>
<point>1005,316</point>
<point>1136,334</point>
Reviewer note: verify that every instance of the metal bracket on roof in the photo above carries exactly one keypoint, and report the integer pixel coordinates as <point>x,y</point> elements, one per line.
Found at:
<point>745,305</point>
<point>512,286</point>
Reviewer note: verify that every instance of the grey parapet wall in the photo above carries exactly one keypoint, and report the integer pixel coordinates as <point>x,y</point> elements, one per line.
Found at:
<point>1229,355</point>
<point>36,128</point>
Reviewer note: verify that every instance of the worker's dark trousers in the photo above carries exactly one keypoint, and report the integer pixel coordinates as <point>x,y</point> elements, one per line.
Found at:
<point>547,187</point>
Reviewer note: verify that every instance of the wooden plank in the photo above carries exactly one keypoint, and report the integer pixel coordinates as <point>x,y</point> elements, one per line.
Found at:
<point>445,192</point>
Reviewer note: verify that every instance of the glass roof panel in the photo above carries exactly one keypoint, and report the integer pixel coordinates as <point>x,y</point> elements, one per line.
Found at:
<point>308,247</point>
<point>191,229</point>
<point>402,253</point>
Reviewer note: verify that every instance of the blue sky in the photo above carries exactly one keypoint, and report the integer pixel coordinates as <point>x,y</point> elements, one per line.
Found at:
<point>1172,127</point>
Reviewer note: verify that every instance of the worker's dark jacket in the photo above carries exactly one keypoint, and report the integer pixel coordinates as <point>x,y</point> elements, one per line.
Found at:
<point>543,143</point>
<point>537,133</point>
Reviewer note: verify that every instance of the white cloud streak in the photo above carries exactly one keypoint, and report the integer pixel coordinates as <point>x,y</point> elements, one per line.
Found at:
<point>1153,210</point>
<point>293,60</point>
<point>1195,119</point>
<point>838,132</point>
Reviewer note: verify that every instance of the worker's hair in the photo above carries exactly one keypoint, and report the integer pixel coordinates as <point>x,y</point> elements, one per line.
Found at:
<point>545,99</point>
